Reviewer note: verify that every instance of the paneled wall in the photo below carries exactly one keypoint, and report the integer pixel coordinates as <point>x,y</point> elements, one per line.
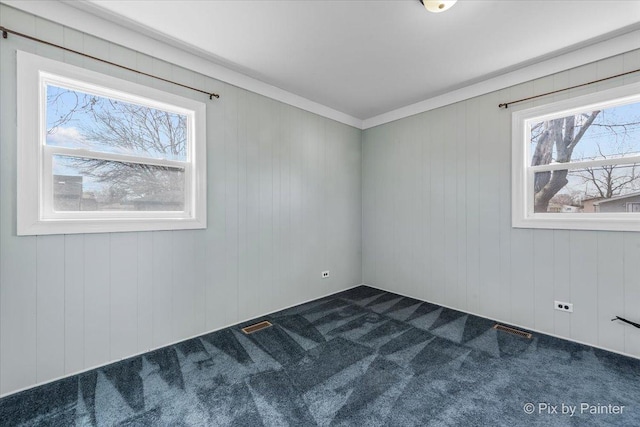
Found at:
<point>437,222</point>
<point>284,203</point>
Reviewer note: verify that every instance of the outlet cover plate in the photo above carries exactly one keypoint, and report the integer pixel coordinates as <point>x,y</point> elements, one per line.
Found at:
<point>563,306</point>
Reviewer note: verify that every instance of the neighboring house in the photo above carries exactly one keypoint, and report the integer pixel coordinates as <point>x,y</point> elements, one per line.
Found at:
<point>627,203</point>
<point>69,195</point>
<point>89,202</point>
<point>557,208</point>
<point>167,201</point>
<point>588,204</point>
<point>67,191</point>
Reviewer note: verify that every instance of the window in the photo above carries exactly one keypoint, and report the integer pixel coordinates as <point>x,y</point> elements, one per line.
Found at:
<point>100,154</point>
<point>576,163</point>
<point>633,207</point>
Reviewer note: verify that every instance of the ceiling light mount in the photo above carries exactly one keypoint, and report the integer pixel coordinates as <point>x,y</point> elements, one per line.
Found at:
<point>437,6</point>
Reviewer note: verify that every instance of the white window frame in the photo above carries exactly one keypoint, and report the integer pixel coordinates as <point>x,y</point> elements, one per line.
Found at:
<point>523,215</point>
<point>35,213</point>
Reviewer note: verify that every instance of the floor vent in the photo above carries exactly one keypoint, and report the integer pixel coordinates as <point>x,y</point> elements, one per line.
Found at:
<point>257,327</point>
<point>513,331</point>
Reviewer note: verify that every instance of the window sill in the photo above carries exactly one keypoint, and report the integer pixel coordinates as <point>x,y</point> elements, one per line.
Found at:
<point>81,226</point>
<point>592,223</point>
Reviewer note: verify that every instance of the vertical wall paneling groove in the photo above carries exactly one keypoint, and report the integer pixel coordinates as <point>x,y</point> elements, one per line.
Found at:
<point>266,125</point>
<point>161,294</point>
<point>544,251</point>
<point>404,186</point>
<point>472,201</point>
<point>384,221</point>
<point>305,162</point>
<point>314,208</point>
<point>246,297</point>
<point>401,240</point>
<point>124,296</point>
<point>74,303</point>
<point>436,206</point>
<point>305,188</point>
<point>284,203</point>
<point>144,292</point>
<point>470,256</point>
<point>295,193</point>
<point>97,299</point>
<point>276,167</point>
<point>391,225</point>
<point>450,252</point>
<point>242,115</point>
<point>217,305</point>
<point>584,273</point>
<point>50,306</point>
<point>461,206</point>
<point>563,258</point>
<point>231,194</point>
<point>368,209</point>
<point>183,285</point>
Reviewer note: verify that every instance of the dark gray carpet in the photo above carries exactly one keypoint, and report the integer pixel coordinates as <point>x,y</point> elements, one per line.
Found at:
<point>363,357</point>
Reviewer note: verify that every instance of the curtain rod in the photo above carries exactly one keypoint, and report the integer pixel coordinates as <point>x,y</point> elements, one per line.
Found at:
<point>6,31</point>
<point>506,104</point>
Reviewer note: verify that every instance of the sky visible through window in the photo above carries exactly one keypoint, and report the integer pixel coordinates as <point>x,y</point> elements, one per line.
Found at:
<point>607,134</point>
<point>614,133</point>
<point>81,120</point>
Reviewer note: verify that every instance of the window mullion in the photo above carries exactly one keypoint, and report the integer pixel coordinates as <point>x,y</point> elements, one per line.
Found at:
<point>586,164</point>
<point>125,158</point>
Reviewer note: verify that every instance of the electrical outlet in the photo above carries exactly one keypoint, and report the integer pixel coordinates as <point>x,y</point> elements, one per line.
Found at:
<point>325,274</point>
<point>563,306</point>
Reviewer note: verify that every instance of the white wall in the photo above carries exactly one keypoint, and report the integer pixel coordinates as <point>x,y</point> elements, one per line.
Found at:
<point>284,204</point>
<point>437,222</point>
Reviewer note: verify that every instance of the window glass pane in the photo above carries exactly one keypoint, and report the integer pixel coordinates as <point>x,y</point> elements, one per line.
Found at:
<point>605,134</point>
<point>589,190</point>
<point>81,120</point>
<point>82,184</point>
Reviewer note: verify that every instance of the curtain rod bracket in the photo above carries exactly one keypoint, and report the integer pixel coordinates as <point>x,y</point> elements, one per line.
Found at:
<point>4,34</point>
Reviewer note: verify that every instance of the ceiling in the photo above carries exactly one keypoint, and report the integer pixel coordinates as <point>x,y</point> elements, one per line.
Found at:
<point>366,58</point>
